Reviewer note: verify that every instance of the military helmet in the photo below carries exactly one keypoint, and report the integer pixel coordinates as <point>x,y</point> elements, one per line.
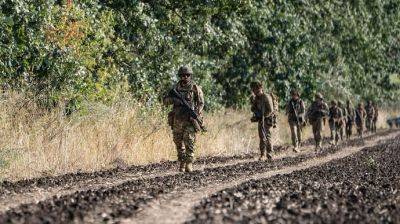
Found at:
<point>185,70</point>
<point>294,92</point>
<point>319,96</point>
<point>334,102</point>
<point>340,103</point>
<point>255,85</point>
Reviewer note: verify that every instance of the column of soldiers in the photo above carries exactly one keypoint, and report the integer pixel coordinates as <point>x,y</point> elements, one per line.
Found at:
<point>185,118</point>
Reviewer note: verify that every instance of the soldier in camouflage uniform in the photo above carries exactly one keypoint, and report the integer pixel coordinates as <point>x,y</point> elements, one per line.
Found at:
<point>342,130</point>
<point>262,107</point>
<point>295,112</point>
<point>351,117</point>
<point>184,127</point>
<point>370,115</point>
<point>335,121</point>
<point>360,119</point>
<point>375,120</point>
<point>316,114</point>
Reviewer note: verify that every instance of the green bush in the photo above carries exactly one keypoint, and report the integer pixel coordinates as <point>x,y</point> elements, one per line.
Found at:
<point>99,50</point>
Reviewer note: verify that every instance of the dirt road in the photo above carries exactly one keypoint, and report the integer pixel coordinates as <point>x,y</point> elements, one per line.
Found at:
<point>158,194</point>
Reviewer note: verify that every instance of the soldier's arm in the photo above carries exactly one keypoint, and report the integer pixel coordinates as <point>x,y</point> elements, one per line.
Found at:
<point>302,108</point>
<point>288,105</point>
<point>169,100</point>
<point>252,100</point>
<point>267,106</point>
<point>200,103</point>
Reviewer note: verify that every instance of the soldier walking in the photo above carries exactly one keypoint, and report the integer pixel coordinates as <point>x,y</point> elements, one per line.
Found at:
<point>295,112</point>
<point>335,121</point>
<point>316,114</point>
<point>370,115</point>
<point>186,98</point>
<point>262,106</point>
<point>351,117</point>
<point>375,120</point>
<point>360,119</point>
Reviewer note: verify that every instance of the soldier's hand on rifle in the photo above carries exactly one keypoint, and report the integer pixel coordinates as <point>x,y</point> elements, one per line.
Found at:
<point>172,100</point>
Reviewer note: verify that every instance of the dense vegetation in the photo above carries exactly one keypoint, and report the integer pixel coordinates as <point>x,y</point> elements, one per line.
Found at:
<point>100,50</point>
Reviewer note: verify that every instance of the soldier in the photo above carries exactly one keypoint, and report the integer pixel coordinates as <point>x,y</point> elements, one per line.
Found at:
<point>360,119</point>
<point>316,114</point>
<point>186,97</point>
<point>375,120</point>
<point>335,121</point>
<point>295,112</point>
<point>370,115</point>
<point>344,117</point>
<point>263,108</point>
<point>351,117</point>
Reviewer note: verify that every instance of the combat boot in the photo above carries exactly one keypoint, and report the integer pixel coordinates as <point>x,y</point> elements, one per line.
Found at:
<point>296,149</point>
<point>189,167</point>
<point>182,166</point>
<point>269,157</point>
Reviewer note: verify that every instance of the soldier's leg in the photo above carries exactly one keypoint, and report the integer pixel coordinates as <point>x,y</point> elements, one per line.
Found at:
<point>341,132</point>
<point>178,140</point>
<point>317,127</point>
<point>262,136</point>
<point>349,128</point>
<point>332,129</point>
<point>269,147</point>
<point>293,132</point>
<point>299,137</point>
<point>189,139</point>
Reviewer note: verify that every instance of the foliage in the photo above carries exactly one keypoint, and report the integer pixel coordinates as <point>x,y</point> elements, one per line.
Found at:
<point>98,50</point>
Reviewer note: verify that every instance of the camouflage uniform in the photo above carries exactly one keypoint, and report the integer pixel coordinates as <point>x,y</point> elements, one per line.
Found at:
<point>370,116</point>
<point>360,119</point>
<point>316,113</point>
<point>351,116</point>
<point>375,120</point>
<point>293,108</point>
<point>342,130</point>
<point>335,121</point>
<point>183,126</point>
<point>263,106</point>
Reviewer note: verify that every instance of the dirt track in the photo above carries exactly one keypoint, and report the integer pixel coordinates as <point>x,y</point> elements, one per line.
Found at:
<point>142,193</point>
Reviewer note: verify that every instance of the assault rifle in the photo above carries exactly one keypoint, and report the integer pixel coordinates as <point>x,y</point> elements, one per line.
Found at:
<point>193,114</point>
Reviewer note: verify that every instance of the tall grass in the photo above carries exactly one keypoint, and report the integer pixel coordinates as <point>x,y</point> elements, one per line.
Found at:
<point>36,142</point>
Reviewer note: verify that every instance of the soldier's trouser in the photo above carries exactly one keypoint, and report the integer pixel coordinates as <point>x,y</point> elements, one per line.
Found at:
<point>184,139</point>
<point>335,131</point>
<point>349,129</point>
<point>342,132</point>
<point>295,130</point>
<point>317,128</point>
<point>374,124</point>
<point>360,128</point>
<point>368,123</point>
<point>265,138</point>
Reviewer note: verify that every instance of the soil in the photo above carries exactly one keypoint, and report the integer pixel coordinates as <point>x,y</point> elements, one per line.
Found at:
<point>133,194</point>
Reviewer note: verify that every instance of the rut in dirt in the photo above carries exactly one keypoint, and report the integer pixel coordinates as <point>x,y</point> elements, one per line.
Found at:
<point>362,188</point>
<point>125,200</point>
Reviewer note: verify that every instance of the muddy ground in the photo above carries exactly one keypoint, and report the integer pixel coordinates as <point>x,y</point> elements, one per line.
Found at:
<point>126,194</point>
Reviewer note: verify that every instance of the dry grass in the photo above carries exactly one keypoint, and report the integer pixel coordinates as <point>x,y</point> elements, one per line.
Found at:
<point>36,142</point>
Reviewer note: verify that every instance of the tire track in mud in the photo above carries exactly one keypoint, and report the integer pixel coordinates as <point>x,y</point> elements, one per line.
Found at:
<point>126,199</point>
<point>177,208</point>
